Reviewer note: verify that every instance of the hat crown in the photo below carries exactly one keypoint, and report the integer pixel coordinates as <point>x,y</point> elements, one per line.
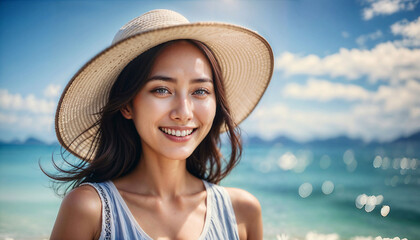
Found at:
<point>154,19</point>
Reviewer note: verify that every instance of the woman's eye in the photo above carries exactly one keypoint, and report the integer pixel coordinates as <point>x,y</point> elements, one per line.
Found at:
<point>201,92</point>
<point>161,91</point>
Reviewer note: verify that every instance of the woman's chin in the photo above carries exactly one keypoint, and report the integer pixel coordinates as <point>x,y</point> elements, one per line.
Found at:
<point>179,154</point>
<point>182,157</point>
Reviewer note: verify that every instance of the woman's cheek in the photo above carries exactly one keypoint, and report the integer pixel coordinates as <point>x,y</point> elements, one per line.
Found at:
<point>207,110</point>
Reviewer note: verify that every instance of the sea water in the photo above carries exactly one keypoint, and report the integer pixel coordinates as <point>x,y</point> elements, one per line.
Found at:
<point>305,192</point>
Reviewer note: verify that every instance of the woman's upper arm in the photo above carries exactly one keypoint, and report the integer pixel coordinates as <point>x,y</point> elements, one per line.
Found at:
<point>248,214</point>
<point>79,216</point>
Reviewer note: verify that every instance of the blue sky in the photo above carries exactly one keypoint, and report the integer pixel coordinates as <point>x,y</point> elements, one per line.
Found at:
<point>342,67</point>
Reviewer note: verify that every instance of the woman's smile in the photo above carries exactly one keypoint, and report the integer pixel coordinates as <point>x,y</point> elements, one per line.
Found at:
<point>178,134</point>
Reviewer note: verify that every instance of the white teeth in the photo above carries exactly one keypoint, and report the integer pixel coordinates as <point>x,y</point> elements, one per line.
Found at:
<point>178,133</point>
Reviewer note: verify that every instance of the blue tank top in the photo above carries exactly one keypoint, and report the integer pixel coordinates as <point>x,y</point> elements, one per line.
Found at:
<point>119,223</point>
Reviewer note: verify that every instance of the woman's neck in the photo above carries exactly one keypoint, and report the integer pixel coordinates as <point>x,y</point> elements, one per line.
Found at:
<point>161,177</point>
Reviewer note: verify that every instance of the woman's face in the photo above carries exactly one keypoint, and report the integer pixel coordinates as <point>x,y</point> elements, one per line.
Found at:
<point>175,109</point>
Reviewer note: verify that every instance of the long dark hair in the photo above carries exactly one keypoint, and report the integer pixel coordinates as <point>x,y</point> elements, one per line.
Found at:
<point>117,143</point>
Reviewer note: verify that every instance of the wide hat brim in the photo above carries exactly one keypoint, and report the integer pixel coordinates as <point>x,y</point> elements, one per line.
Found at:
<point>246,60</point>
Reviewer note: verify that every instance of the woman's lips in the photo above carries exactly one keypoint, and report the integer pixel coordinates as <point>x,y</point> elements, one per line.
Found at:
<point>178,134</point>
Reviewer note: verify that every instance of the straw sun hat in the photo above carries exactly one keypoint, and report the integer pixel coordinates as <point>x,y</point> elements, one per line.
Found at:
<point>246,60</point>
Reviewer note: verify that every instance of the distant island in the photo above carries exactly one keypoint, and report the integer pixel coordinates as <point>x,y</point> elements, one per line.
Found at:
<point>282,140</point>
<point>330,142</point>
<point>28,141</point>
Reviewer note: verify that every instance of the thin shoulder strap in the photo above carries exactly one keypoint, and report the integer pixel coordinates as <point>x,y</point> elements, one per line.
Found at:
<point>106,233</point>
<point>224,220</point>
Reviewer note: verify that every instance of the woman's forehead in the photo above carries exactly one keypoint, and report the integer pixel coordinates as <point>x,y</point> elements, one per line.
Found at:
<point>181,58</point>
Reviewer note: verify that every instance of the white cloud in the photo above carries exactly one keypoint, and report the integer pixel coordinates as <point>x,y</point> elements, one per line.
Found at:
<point>415,112</point>
<point>15,102</point>
<point>410,31</point>
<point>52,90</point>
<point>23,116</point>
<point>390,111</point>
<point>387,7</point>
<point>392,98</point>
<point>384,62</point>
<point>361,40</point>
<point>27,122</point>
<point>367,122</point>
<point>21,125</point>
<point>398,98</point>
<point>406,28</point>
<point>8,119</point>
<point>381,115</point>
<point>407,42</point>
<point>323,90</point>
<point>279,119</point>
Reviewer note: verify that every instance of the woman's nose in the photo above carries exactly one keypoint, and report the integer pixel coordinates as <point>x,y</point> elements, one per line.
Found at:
<point>182,111</point>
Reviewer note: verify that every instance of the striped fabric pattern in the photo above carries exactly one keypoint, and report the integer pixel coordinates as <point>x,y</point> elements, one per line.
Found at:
<point>119,223</point>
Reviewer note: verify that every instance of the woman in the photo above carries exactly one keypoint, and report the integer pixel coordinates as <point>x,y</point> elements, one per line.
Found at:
<point>144,116</point>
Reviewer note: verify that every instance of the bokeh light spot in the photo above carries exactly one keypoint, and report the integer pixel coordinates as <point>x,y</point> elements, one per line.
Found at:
<point>386,163</point>
<point>404,164</point>
<point>304,158</point>
<point>377,162</point>
<point>327,187</point>
<point>287,161</point>
<point>361,201</point>
<point>348,157</point>
<point>396,163</point>
<point>370,204</point>
<point>385,210</point>
<point>305,190</point>
<point>413,164</point>
<point>379,199</point>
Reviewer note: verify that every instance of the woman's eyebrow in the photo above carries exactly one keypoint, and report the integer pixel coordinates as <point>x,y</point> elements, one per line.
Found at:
<point>161,78</point>
<point>169,79</point>
<point>202,80</point>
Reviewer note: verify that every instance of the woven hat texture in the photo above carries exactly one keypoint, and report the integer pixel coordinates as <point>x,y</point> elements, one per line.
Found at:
<point>246,60</point>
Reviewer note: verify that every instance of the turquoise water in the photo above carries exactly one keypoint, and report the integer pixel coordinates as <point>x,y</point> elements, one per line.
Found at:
<point>28,206</point>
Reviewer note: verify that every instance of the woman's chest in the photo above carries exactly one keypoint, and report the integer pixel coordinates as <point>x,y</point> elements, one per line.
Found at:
<point>180,219</point>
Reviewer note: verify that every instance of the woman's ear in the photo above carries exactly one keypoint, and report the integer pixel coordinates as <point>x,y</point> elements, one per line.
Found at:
<point>127,112</point>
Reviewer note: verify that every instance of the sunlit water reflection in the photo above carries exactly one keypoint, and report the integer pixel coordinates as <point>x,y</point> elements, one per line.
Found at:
<point>369,192</point>
<point>365,193</point>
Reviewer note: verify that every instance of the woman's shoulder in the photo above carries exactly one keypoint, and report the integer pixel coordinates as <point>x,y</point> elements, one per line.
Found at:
<point>80,209</point>
<point>84,198</point>
<point>244,202</point>
<point>248,214</point>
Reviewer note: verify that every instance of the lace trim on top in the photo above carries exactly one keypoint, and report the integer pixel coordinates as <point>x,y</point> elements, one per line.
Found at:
<point>107,215</point>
